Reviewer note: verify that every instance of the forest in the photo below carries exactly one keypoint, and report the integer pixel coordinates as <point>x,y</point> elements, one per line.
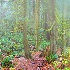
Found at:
<point>34,34</point>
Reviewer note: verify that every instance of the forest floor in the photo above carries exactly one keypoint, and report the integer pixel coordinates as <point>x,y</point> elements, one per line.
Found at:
<point>40,63</point>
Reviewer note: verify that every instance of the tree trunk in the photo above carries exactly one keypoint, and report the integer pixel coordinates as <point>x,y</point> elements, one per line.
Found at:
<point>53,30</point>
<point>24,22</point>
<point>37,7</point>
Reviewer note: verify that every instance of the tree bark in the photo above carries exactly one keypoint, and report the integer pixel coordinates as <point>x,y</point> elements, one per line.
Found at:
<point>53,30</point>
<point>37,7</point>
<point>24,22</point>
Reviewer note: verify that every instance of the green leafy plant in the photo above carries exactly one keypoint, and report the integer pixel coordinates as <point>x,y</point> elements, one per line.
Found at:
<point>67,68</point>
<point>44,44</point>
<point>11,42</point>
<point>6,63</point>
<point>51,57</point>
<point>65,61</point>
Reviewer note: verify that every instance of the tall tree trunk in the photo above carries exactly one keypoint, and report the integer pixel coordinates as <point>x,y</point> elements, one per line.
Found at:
<point>25,41</point>
<point>37,7</point>
<point>53,30</point>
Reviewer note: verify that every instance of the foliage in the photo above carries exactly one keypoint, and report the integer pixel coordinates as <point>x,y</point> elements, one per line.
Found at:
<point>52,57</point>
<point>65,61</point>
<point>44,43</point>
<point>12,20</point>
<point>11,42</point>
<point>67,68</point>
<point>31,40</point>
<point>63,64</point>
<point>6,62</point>
<point>66,55</point>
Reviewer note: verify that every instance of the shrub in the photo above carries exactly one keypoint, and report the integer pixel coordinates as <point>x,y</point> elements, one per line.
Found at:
<point>51,57</point>
<point>6,62</point>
